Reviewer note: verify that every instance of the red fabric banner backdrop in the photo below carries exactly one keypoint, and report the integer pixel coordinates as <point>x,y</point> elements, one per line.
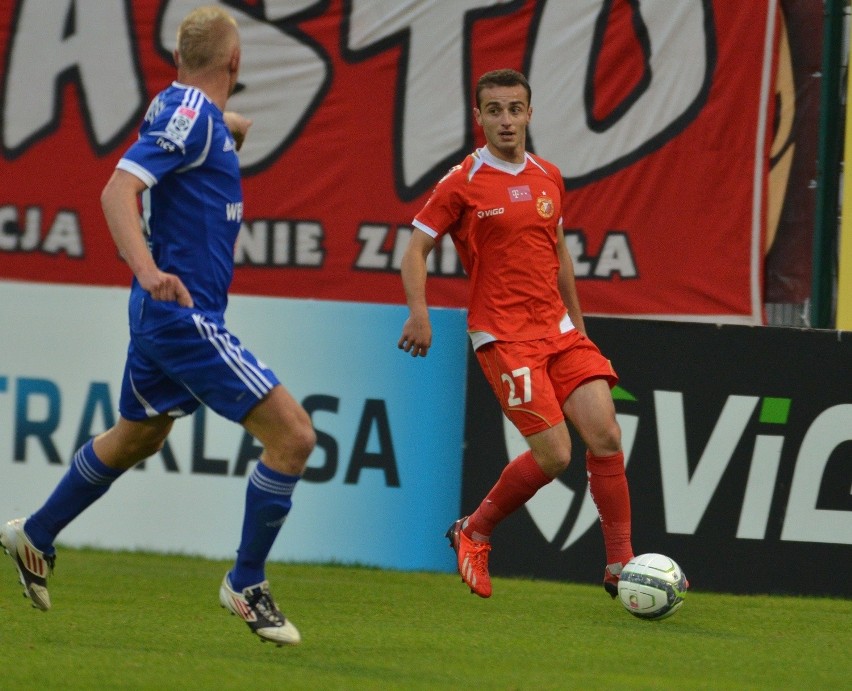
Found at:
<point>659,115</point>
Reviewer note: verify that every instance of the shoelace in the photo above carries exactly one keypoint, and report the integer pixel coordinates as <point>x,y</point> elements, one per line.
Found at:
<point>261,600</point>
<point>479,554</point>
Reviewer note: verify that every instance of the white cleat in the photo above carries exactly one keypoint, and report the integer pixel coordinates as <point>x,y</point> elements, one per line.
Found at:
<point>33,565</point>
<point>256,608</point>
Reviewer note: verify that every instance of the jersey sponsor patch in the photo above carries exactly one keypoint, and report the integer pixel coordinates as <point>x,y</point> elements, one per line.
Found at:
<point>520,193</point>
<point>180,124</point>
<point>166,144</point>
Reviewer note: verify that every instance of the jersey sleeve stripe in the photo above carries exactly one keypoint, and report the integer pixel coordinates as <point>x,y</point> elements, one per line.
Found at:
<point>426,229</point>
<point>198,161</point>
<point>134,168</point>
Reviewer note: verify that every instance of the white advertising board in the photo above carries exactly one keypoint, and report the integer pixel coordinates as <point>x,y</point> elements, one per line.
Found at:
<point>381,486</point>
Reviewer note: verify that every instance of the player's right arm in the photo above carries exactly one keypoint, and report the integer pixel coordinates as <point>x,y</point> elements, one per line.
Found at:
<point>442,211</point>
<point>417,331</point>
<point>119,204</point>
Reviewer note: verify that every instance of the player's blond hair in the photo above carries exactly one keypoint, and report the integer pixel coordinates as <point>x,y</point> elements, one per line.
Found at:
<point>205,38</point>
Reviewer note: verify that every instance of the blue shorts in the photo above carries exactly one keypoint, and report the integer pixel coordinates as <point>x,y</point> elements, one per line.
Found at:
<point>176,365</point>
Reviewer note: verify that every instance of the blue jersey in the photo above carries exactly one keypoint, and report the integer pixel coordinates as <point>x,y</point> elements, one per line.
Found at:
<point>181,357</point>
<point>193,206</point>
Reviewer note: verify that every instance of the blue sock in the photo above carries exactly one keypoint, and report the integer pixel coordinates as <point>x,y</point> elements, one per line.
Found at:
<point>268,501</point>
<point>86,480</point>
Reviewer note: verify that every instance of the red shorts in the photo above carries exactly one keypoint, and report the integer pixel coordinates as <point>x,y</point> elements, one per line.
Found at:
<point>533,379</point>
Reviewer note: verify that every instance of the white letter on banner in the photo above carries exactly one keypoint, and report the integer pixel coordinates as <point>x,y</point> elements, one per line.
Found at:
<point>281,75</point>
<point>685,498</point>
<point>434,102</point>
<point>64,235</point>
<point>558,75</point>
<point>89,39</point>
<point>804,522</point>
<point>760,487</point>
<point>9,234</point>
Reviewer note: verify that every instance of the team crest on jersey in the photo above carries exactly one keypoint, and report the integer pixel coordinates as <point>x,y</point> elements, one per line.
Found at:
<point>545,207</point>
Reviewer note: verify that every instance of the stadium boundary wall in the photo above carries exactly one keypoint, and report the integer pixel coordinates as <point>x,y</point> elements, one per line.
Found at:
<point>738,443</point>
<point>389,429</point>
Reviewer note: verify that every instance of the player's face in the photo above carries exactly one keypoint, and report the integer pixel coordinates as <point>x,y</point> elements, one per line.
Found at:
<point>504,114</point>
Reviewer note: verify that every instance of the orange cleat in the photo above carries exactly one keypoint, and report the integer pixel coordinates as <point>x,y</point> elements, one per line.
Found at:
<point>472,557</point>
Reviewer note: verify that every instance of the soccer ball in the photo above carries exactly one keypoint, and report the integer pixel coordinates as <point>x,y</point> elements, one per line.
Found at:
<point>652,586</point>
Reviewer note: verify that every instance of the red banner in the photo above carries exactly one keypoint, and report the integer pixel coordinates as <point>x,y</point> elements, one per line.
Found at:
<point>659,116</point>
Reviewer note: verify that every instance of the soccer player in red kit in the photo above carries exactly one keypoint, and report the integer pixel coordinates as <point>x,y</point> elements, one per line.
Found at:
<point>502,206</point>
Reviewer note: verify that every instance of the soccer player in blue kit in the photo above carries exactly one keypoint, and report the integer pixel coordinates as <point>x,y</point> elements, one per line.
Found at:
<point>184,165</point>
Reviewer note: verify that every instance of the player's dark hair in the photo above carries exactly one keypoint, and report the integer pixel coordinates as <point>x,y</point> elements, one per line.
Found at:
<point>503,77</point>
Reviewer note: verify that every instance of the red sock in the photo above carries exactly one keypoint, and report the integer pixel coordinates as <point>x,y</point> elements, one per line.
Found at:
<point>608,486</point>
<point>518,482</point>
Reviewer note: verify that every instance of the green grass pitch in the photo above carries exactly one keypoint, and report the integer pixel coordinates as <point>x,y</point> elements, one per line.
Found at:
<point>143,621</point>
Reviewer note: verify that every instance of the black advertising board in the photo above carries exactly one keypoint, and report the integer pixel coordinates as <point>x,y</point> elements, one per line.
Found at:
<point>739,456</point>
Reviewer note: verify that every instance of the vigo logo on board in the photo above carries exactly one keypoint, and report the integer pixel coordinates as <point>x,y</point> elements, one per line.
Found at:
<point>686,495</point>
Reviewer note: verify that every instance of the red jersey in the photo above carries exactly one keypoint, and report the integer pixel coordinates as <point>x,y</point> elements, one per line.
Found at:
<point>503,218</point>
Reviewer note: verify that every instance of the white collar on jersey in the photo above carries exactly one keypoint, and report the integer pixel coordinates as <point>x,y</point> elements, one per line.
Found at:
<point>500,164</point>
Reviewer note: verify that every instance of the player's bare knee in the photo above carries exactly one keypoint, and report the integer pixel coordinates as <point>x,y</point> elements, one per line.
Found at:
<point>553,463</point>
<point>607,440</point>
<point>561,463</point>
<point>154,444</point>
<point>144,447</point>
<point>302,434</point>
<point>303,440</point>
<point>290,450</point>
<point>613,439</point>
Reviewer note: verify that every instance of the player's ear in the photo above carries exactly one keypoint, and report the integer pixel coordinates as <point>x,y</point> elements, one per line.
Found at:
<point>477,115</point>
<point>176,57</point>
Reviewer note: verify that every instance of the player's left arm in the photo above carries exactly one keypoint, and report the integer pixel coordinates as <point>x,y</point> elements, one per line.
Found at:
<point>416,335</point>
<point>567,282</point>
